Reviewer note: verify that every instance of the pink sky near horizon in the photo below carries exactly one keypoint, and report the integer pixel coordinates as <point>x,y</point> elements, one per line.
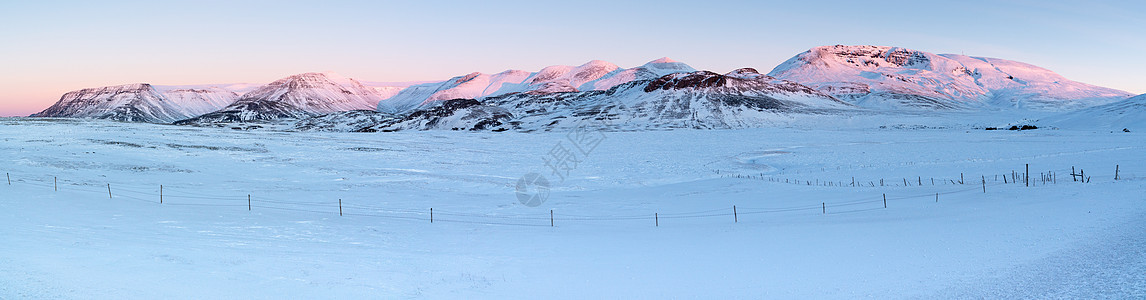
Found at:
<point>50,48</point>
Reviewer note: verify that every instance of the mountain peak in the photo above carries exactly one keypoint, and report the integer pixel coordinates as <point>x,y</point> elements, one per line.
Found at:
<point>601,63</point>
<point>894,77</point>
<point>745,73</point>
<point>664,66</point>
<point>296,96</point>
<point>137,102</point>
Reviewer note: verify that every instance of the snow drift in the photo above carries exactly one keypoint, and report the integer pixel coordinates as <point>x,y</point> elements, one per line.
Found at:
<point>1129,114</point>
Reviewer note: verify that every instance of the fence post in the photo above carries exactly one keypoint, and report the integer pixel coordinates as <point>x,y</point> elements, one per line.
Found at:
<point>339,207</point>
<point>1027,175</point>
<point>55,183</point>
<point>1115,172</point>
<point>551,224</point>
<point>960,178</point>
<point>657,218</point>
<point>160,194</point>
<point>431,215</point>
<point>735,218</point>
<point>248,202</point>
<point>936,197</point>
<point>109,191</point>
<point>825,207</point>
<point>984,184</point>
<point>884,200</point>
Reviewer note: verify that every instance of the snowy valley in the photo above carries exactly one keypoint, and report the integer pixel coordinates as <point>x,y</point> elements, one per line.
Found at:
<point>102,209</point>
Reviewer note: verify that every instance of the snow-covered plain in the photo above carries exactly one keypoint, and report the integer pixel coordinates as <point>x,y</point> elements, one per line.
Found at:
<point>643,215</point>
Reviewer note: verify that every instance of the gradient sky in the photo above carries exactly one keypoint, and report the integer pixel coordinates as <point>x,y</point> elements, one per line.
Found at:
<point>50,47</point>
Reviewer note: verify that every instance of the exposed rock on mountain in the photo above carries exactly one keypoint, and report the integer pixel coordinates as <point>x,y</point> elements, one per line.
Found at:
<point>456,114</point>
<point>347,121</point>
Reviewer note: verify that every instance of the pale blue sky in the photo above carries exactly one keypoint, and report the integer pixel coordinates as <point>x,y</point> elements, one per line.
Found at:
<point>51,47</point>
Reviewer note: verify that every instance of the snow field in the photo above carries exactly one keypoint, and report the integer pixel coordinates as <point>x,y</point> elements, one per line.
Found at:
<point>1057,240</point>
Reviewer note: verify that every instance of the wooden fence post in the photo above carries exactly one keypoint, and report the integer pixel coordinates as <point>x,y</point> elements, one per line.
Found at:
<point>657,218</point>
<point>339,207</point>
<point>160,194</point>
<point>735,218</point>
<point>1027,175</point>
<point>248,202</point>
<point>884,200</point>
<point>55,183</point>
<point>431,215</point>
<point>1115,172</point>
<point>551,224</point>
<point>109,191</point>
<point>984,184</point>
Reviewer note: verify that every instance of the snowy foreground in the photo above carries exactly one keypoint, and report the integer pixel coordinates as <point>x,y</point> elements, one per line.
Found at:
<point>643,215</point>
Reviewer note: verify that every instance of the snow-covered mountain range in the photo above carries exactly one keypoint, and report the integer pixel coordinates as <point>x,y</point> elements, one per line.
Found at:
<point>592,76</point>
<point>140,102</point>
<point>896,78</point>
<point>299,96</point>
<point>701,99</point>
<point>659,94</point>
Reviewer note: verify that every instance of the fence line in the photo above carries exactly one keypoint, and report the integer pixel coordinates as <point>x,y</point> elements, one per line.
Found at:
<point>137,194</point>
<point>1016,177</point>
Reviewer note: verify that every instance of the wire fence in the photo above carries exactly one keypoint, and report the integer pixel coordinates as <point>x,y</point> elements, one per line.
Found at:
<point>1013,177</point>
<point>189,197</point>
